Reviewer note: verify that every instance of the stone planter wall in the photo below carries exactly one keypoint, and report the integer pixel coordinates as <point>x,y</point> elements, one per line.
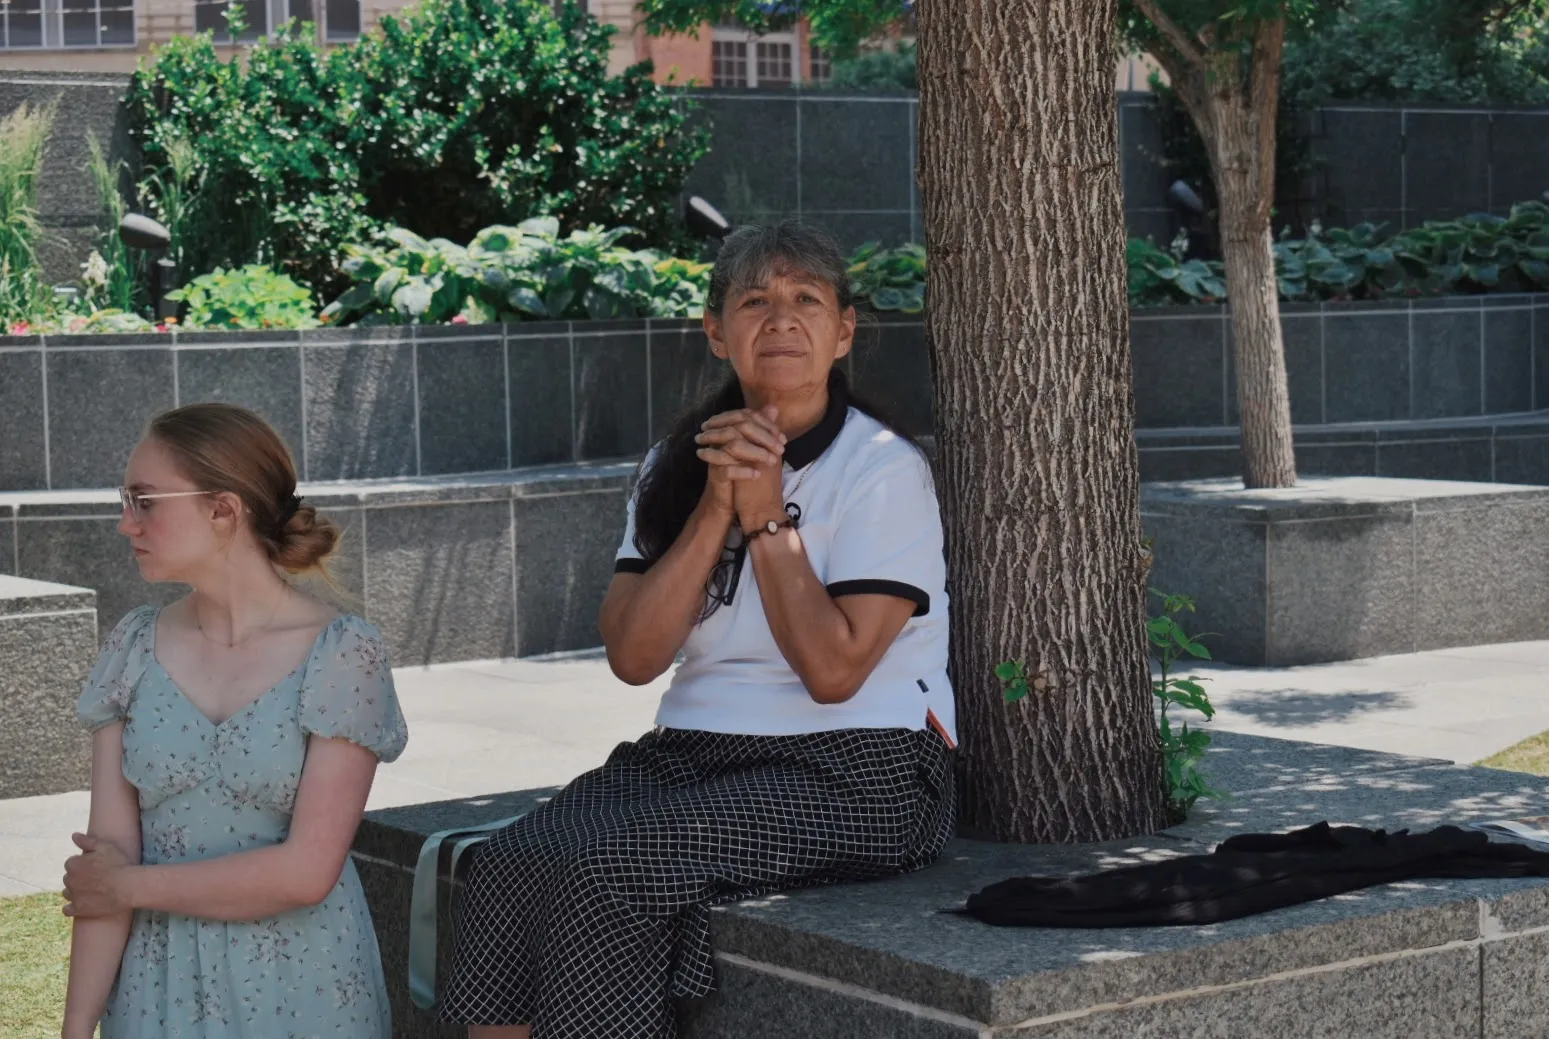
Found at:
<point>359,404</point>
<point>48,642</point>
<point>467,568</point>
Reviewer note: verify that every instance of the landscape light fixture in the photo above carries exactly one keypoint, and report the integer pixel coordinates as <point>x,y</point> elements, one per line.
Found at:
<point>138,231</point>
<point>1193,217</point>
<point>704,220</point>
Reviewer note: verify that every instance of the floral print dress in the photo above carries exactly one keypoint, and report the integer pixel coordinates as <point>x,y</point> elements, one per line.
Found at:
<point>209,790</point>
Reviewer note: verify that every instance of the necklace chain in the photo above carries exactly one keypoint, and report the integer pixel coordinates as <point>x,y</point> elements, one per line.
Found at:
<point>284,589</point>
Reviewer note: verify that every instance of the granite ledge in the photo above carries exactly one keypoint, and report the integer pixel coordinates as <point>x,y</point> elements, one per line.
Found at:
<point>891,938</point>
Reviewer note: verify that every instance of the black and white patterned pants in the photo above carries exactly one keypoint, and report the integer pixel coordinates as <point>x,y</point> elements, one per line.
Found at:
<point>589,917</point>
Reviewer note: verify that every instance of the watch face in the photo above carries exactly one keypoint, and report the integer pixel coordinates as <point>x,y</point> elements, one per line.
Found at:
<point>772,527</point>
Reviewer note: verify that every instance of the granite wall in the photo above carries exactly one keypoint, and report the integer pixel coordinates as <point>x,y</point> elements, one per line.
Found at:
<point>470,568</point>
<point>1465,373</point>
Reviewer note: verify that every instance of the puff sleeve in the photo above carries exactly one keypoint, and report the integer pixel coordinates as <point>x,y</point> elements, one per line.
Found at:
<point>125,654</point>
<point>348,690</point>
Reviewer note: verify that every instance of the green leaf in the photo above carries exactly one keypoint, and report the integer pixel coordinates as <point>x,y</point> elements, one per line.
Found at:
<point>1008,670</point>
<point>528,302</point>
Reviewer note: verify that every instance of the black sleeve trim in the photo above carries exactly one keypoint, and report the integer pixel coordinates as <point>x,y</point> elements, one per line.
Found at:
<point>897,589</point>
<point>630,565</point>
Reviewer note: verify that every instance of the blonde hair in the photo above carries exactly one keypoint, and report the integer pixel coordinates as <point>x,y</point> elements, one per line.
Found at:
<point>226,448</point>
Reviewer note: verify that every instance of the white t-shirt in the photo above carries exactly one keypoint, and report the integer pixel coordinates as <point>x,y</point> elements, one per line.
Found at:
<point>870,524</point>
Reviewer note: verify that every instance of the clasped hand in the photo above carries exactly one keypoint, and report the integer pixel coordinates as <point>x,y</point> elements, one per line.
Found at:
<point>93,879</point>
<point>745,451</point>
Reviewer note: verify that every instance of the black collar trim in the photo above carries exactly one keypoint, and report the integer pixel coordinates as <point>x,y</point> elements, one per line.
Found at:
<point>808,447</point>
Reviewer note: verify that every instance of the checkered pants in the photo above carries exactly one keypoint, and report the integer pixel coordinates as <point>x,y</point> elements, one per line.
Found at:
<point>588,917</point>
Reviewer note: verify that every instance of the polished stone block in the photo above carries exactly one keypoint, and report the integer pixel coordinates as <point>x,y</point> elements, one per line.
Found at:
<point>683,373</point>
<point>263,379</point>
<point>1484,571</point>
<point>359,401</point>
<point>1436,458</point>
<point>1180,374</point>
<point>752,167</point>
<point>1446,162</point>
<point>48,643</point>
<point>1366,364</point>
<point>891,368</point>
<point>88,553</point>
<point>1340,588</point>
<point>1519,155</point>
<point>1447,358</point>
<point>542,396</point>
<point>98,404</point>
<point>439,581</point>
<point>23,456</point>
<point>462,405</point>
<point>611,396</point>
<point>564,562</point>
<point>1344,568</point>
<point>854,155</point>
<point>852,230</point>
<point>1508,360</point>
<point>1522,459</point>
<point>1362,152</point>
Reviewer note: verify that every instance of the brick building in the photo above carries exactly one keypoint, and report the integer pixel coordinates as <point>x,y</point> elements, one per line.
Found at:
<point>110,36</point>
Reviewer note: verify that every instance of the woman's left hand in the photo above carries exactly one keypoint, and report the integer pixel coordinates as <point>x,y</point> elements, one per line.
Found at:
<point>762,498</point>
<point>94,880</point>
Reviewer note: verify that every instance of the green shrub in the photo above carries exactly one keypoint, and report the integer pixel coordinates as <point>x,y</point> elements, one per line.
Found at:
<point>23,134</point>
<point>877,70</point>
<point>517,273</point>
<point>890,279</point>
<point>254,296</point>
<point>459,115</point>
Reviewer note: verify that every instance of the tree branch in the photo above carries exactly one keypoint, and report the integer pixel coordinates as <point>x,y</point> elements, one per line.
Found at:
<point>1189,50</point>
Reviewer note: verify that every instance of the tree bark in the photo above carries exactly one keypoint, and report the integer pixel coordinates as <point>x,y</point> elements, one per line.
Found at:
<point>1036,460</point>
<point>1263,395</point>
<point>1235,114</point>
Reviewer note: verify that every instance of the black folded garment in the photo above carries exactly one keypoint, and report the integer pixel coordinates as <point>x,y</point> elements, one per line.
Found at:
<point>1250,873</point>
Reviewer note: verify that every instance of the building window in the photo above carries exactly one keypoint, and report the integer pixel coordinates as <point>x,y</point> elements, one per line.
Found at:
<point>822,65</point>
<point>61,24</point>
<point>773,61</point>
<point>729,63</point>
<point>774,64</point>
<point>341,18</point>
<point>21,24</point>
<point>210,16</point>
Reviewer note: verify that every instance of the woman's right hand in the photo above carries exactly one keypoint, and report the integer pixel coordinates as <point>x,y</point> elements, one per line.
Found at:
<point>737,445</point>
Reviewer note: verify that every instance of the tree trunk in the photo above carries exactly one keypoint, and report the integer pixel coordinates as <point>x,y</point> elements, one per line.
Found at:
<point>1264,401</point>
<point>1036,460</point>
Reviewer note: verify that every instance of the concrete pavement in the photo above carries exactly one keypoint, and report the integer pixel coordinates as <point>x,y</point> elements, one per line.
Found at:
<point>477,728</point>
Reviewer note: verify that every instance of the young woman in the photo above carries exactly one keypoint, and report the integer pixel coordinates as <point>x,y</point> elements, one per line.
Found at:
<point>788,543</point>
<point>236,733</point>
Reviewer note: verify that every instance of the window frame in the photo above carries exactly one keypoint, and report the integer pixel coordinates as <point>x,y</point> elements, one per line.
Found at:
<point>51,27</point>
<point>738,34</point>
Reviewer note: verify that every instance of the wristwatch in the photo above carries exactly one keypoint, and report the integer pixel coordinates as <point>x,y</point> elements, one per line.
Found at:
<point>772,527</point>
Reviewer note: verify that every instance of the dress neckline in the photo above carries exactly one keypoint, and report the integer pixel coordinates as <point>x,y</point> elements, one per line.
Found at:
<point>252,704</point>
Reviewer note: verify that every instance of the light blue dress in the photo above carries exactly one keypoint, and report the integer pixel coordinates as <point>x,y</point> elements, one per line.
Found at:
<point>208,790</point>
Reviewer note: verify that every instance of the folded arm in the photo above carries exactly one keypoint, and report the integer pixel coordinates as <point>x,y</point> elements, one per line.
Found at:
<point>97,945</point>
<point>299,871</point>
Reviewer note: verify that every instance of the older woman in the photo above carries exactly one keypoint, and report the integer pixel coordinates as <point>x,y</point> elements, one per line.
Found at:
<point>787,543</point>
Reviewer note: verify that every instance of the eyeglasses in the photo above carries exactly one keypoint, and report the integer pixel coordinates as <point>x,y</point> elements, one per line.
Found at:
<point>137,504</point>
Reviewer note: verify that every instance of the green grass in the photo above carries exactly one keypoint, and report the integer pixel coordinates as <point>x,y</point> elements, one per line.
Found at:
<point>1531,755</point>
<point>34,958</point>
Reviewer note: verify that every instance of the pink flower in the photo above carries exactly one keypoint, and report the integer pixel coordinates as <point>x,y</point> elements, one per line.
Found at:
<point>161,328</point>
<point>459,320</point>
<point>20,328</point>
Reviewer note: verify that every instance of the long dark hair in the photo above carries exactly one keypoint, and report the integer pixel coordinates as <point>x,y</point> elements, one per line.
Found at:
<point>671,486</point>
